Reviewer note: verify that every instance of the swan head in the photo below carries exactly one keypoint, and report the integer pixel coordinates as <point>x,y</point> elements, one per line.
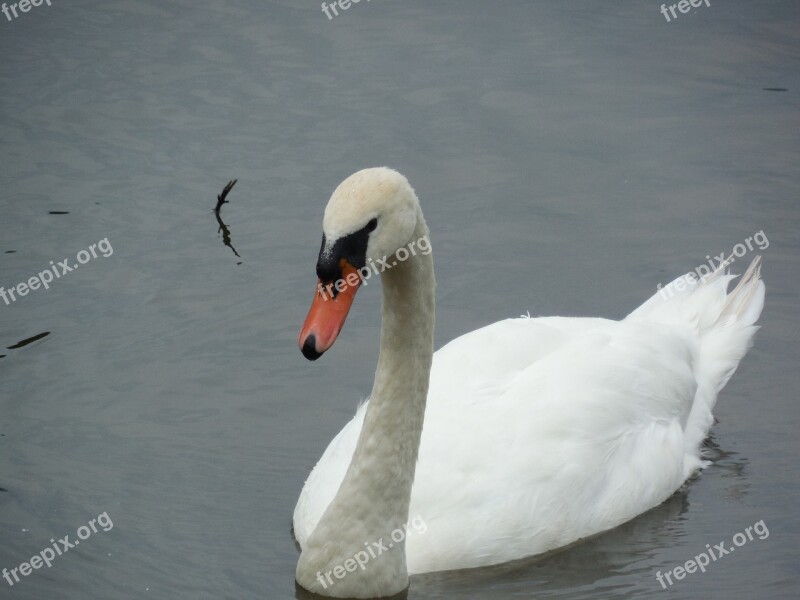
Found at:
<point>370,216</point>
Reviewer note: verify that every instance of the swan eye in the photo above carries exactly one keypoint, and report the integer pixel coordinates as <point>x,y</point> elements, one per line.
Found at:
<point>372,225</point>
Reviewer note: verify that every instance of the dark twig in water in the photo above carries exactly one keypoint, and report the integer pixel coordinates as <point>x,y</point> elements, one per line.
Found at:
<point>29,340</point>
<point>226,234</point>
<point>221,198</point>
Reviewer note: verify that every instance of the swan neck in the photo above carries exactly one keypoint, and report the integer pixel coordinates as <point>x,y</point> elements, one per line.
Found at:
<point>372,503</point>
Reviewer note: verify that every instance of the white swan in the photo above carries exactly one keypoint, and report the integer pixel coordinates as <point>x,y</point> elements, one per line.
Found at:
<point>537,432</point>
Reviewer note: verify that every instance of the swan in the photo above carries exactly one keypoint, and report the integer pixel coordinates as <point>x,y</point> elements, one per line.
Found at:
<point>512,440</point>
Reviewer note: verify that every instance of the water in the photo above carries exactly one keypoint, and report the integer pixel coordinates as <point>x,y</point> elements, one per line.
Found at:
<point>569,157</point>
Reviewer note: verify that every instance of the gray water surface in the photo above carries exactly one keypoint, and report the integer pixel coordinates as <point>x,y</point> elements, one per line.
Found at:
<point>569,157</point>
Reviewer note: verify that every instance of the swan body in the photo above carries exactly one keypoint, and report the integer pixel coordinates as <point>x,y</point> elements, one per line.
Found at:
<point>537,432</point>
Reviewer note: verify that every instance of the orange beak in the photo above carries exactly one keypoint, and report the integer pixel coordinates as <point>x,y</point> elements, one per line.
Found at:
<point>328,312</point>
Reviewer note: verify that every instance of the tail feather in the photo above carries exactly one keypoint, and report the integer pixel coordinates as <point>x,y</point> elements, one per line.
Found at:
<point>729,339</point>
<point>724,323</point>
<point>705,301</point>
<point>746,300</point>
